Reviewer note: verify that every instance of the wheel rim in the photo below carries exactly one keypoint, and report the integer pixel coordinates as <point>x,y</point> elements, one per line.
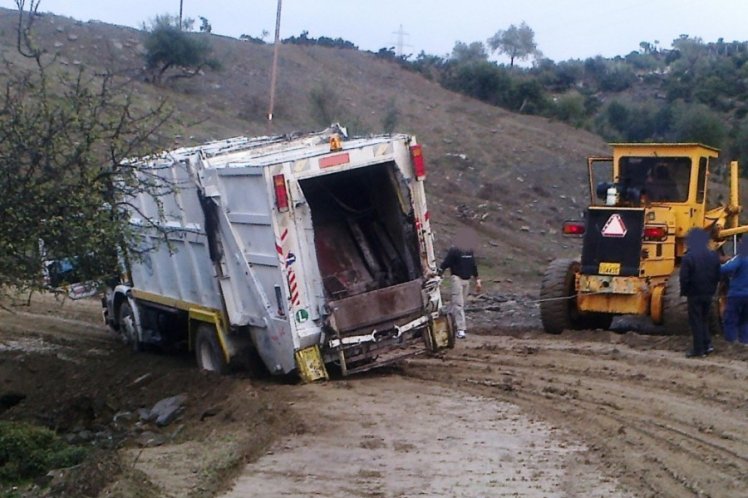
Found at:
<point>206,357</point>
<point>128,326</point>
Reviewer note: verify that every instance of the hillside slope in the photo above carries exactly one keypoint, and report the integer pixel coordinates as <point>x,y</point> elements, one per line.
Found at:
<point>514,178</point>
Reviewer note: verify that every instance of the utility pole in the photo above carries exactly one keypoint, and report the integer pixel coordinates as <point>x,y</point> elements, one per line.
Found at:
<point>274,71</point>
<point>180,14</point>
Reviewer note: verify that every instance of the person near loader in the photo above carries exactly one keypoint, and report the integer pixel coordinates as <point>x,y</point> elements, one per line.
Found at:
<point>461,264</point>
<point>699,276</point>
<point>736,312</point>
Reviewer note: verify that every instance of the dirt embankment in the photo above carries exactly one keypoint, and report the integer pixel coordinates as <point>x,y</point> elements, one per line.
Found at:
<point>78,379</point>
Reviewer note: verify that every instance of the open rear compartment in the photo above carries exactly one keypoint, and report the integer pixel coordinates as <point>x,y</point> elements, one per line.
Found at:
<point>368,257</point>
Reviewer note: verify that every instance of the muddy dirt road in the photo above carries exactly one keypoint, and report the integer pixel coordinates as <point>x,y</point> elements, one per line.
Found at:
<point>387,435</point>
<point>521,413</point>
<point>510,412</point>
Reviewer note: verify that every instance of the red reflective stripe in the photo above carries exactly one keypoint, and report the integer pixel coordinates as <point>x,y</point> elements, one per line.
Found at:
<point>336,160</point>
<point>284,235</point>
<point>427,216</point>
<point>279,249</point>
<point>292,277</point>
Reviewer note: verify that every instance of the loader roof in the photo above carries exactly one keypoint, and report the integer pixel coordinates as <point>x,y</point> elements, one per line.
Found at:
<point>670,147</point>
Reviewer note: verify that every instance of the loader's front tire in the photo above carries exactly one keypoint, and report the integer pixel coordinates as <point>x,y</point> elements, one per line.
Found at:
<point>558,307</point>
<point>674,308</point>
<point>208,351</point>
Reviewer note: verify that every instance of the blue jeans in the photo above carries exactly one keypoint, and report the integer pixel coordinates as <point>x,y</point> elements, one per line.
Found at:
<point>736,319</point>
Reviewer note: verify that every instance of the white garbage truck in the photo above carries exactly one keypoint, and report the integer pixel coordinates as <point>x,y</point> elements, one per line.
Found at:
<point>301,252</point>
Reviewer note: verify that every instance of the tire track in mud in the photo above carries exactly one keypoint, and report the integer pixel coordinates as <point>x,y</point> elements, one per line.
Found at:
<point>663,425</point>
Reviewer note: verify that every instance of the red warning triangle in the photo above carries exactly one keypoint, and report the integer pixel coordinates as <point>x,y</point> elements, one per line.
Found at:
<point>614,227</point>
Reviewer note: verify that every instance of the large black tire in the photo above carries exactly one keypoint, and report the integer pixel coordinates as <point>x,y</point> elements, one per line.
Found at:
<point>208,351</point>
<point>674,308</point>
<point>558,307</point>
<point>127,329</point>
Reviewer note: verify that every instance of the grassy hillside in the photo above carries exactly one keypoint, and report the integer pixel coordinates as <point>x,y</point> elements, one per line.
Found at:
<point>514,178</point>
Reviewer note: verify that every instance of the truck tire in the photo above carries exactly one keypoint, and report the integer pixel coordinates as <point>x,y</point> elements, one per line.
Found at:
<point>127,328</point>
<point>208,351</point>
<point>674,308</point>
<point>558,308</point>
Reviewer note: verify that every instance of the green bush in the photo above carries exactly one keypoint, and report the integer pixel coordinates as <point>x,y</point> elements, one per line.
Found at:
<point>28,451</point>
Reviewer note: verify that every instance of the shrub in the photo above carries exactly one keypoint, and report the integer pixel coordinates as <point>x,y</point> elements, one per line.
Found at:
<point>28,451</point>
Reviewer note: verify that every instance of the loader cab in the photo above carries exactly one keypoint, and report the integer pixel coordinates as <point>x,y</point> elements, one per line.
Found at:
<point>658,177</point>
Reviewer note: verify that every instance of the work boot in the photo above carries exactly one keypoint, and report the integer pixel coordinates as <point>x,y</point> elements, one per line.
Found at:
<point>460,334</point>
<point>694,354</point>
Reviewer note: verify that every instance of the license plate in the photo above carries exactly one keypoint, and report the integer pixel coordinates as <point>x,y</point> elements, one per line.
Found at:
<point>609,269</point>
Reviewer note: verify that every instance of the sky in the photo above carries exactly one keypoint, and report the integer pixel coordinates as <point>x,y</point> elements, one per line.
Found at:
<point>564,29</point>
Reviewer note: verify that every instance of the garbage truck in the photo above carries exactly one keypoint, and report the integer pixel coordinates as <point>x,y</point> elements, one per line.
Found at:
<point>301,252</point>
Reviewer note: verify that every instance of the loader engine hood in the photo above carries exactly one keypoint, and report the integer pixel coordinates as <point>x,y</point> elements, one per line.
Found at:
<point>613,241</point>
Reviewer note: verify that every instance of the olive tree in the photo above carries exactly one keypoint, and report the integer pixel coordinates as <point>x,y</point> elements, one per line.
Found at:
<point>64,175</point>
<point>167,47</point>
<point>518,43</point>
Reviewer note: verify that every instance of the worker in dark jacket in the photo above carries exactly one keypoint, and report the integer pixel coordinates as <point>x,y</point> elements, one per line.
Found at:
<point>736,313</point>
<point>461,265</point>
<point>699,276</point>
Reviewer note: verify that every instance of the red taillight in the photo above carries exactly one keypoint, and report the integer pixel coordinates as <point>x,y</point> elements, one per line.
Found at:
<point>281,194</point>
<point>573,228</point>
<point>419,167</point>
<point>657,233</point>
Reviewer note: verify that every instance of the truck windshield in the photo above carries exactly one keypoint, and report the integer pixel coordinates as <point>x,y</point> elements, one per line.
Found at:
<point>659,179</point>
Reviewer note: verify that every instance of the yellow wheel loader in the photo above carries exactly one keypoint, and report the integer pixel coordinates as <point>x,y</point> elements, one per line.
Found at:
<point>634,238</point>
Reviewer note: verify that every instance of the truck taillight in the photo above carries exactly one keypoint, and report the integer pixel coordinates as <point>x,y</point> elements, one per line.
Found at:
<point>655,233</point>
<point>573,228</point>
<point>281,194</point>
<point>416,155</point>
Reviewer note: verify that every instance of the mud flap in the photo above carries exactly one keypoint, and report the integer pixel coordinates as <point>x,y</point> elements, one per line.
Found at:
<point>440,333</point>
<point>310,365</point>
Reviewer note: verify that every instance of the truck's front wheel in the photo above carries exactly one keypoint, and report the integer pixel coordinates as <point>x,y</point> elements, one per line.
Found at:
<point>127,328</point>
<point>208,351</point>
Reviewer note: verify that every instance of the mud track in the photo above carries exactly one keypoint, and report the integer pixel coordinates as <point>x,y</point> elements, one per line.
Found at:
<point>659,423</point>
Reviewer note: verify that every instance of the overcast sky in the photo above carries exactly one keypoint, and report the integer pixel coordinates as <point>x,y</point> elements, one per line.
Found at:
<point>564,29</point>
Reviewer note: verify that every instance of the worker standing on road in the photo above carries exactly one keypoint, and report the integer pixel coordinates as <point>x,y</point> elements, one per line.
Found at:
<point>699,276</point>
<point>460,261</point>
<point>736,313</point>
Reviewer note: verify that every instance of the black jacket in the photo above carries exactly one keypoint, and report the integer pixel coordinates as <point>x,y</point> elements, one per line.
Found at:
<point>460,263</point>
<point>699,269</point>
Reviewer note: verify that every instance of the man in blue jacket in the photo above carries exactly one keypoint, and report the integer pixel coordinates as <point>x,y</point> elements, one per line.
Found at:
<point>699,276</point>
<point>736,313</point>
